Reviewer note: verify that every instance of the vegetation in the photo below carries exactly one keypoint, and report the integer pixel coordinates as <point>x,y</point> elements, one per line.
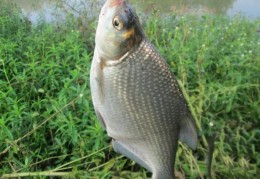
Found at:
<point>47,123</point>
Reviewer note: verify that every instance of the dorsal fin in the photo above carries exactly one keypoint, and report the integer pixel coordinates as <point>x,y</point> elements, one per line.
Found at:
<point>188,132</point>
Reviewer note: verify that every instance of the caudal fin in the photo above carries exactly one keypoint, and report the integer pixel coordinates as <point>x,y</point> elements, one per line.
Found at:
<point>163,175</point>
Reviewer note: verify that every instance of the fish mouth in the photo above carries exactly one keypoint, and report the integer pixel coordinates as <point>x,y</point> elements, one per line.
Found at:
<point>115,3</point>
<point>121,4</point>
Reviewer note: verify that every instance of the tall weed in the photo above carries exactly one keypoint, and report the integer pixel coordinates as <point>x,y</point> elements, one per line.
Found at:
<point>47,123</point>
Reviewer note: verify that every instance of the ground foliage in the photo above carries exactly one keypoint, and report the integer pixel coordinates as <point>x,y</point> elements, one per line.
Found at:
<point>47,123</point>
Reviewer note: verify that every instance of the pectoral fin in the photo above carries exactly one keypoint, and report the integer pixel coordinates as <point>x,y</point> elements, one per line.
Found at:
<point>97,89</point>
<point>101,120</point>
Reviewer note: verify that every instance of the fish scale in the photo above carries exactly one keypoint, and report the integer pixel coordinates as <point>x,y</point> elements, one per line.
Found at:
<point>142,109</point>
<point>136,97</point>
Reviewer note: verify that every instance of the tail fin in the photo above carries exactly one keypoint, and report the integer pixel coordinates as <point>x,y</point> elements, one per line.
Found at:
<point>163,175</point>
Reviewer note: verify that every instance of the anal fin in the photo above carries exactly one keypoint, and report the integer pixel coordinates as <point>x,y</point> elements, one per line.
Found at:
<point>131,152</point>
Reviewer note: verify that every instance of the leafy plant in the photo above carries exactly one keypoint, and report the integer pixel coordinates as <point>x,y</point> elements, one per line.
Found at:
<point>47,123</point>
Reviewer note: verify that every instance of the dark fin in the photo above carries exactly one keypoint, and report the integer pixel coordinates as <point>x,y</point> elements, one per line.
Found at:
<point>211,147</point>
<point>131,152</point>
<point>188,132</point>
<point>101,120</point>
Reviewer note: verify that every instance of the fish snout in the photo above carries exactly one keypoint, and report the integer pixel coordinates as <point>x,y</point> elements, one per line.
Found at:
<point>115,3</point>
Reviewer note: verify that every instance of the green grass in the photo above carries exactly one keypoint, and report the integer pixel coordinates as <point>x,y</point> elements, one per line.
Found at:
<point>47,123</point>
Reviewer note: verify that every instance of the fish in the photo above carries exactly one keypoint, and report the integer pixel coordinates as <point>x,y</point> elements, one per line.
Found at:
<point>135,95</point>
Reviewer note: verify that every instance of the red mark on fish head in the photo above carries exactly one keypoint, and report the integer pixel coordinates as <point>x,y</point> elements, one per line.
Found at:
<point>115,3</point>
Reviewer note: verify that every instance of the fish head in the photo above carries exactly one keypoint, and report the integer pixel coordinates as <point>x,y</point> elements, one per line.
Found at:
<point>118,31</point>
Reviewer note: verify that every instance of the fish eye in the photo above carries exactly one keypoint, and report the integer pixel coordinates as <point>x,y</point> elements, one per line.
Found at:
<point>117,23</point>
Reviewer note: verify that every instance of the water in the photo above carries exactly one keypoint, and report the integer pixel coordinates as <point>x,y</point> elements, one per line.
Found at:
<point>47,9</point>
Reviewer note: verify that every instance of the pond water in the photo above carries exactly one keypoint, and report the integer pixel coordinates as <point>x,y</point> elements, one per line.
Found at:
<point>51,9</point>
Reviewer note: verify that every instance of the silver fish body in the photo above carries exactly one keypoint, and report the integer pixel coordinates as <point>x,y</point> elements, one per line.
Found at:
<point>139,103</point>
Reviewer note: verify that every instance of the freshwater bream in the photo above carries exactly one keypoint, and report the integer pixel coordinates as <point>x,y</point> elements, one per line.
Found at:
<point>136,97</point>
